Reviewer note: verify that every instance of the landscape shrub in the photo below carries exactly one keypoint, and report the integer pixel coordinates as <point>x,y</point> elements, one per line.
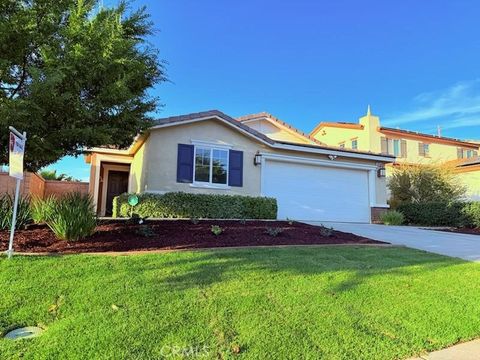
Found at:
<point>73,218</point>
<point>6,211</point>
<point>472,212</point>
<point>42,209</point>
<point>456,214</point>
<point>392,217</point>
<point>199,206</point>
<point>424,184</point>
<point>216,230</point>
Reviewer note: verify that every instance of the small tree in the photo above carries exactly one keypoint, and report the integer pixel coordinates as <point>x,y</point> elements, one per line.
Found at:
<point>425,183</point>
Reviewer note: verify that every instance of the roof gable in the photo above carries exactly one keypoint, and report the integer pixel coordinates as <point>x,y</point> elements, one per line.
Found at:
<point>281,125</point>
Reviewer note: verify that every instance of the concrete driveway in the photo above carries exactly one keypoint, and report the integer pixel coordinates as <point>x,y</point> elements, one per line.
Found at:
<point>463,246</point>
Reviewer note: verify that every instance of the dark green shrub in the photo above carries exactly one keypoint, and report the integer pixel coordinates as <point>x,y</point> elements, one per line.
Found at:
<point>472,212</point>
<point>42,209</point>
<point>392,217</point>
<point>457,214</point>
<point>73,218</point>
<point>6,210</point>
<point>201,206</point>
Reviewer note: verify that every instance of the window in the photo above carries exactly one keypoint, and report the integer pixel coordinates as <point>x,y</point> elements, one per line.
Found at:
<point>466,153</point>
<point>341,145</point>
<point>211,165</point>
<point>424,149</point>
<point>396,148</point>
<point>355,144</point>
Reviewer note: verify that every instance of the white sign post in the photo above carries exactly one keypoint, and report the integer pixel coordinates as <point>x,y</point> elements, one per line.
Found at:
<point>15,164</point>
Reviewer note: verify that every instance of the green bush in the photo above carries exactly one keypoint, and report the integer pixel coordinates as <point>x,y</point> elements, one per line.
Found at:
<point>201,206</point>
<point>457,214</point>
<point>392,217</point>
<point>472,212</point>
<point>422,183</point>
<point>6,211</point>
<point>43,209</point>
<point>73,217</point>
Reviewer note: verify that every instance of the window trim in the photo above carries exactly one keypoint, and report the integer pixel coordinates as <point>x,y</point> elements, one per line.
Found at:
<point>210,184</point>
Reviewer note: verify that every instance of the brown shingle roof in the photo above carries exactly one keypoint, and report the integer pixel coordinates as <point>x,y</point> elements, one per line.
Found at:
<point>431,137</point>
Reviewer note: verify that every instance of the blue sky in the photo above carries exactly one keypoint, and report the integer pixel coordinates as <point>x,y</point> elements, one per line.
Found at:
<point>305,61</point>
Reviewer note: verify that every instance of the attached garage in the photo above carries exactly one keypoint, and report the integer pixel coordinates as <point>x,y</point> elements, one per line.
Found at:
<point>319,190</point>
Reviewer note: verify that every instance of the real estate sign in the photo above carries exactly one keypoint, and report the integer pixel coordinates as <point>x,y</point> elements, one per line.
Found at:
<point>15,163</point>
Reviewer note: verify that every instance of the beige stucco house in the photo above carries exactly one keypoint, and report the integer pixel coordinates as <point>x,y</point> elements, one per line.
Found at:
<point>256,155</point>
<point>408,147</point>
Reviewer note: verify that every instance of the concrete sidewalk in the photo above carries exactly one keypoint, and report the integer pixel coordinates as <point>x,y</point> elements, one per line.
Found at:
<point>463,246</point>
<point>466,351</point>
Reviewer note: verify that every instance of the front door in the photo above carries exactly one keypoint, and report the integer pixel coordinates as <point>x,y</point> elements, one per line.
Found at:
<point>117,184</point>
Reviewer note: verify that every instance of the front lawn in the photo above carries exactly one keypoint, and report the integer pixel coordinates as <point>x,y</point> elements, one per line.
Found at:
<point>304,302</point>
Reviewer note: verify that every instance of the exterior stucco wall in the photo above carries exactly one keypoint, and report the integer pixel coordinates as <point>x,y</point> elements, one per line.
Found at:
<point>471,180</point>
<point>438,152</point>
<point>160,157</point>
<point>138,170</point>
<point>334,136</point>
<point>369,139</point>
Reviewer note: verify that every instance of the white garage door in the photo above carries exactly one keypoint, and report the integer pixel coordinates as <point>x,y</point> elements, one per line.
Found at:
<point>312,192</point>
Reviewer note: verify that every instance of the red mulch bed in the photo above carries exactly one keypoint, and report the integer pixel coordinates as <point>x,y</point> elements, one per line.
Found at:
<point>474,231</point>
<point>178,234</point>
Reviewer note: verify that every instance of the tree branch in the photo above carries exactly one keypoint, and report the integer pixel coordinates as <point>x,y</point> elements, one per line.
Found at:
<point>22,78</point>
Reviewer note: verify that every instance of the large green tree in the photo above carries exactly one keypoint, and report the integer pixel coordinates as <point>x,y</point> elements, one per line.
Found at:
<point>74,75</point>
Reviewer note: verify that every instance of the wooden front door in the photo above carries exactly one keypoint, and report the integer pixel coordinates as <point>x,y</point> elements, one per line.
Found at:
<point>117,184</point>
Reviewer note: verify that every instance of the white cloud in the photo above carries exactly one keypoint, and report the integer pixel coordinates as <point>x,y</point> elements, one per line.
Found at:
<point>455,107</point>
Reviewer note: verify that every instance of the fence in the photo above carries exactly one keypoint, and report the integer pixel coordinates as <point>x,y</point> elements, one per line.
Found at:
<point>34,185</point>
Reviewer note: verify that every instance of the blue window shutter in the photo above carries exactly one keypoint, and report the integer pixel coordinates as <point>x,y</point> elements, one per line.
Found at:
<point>235,168</point>
<point>185,163</point>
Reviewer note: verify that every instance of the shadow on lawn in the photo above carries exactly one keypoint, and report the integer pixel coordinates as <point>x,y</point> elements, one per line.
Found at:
<point>358,264</point>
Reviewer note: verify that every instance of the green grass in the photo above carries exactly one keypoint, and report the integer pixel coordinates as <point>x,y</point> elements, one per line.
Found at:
<point>311,302</point>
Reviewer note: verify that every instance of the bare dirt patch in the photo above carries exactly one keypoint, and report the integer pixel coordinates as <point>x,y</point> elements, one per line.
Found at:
<point>180,234</point>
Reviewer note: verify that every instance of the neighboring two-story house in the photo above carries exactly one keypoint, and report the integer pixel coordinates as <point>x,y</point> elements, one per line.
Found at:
<point>407,146</point>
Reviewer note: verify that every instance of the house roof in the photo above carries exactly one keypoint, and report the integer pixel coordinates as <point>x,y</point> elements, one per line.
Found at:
<point>210,114</point>
<point>239,124</point>
<point>469,162</point>
<point>282,123</point>
<point>206,115</point>
<point>432,138</point>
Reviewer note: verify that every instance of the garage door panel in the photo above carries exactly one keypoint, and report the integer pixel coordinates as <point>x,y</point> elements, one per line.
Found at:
<point>310,192</point>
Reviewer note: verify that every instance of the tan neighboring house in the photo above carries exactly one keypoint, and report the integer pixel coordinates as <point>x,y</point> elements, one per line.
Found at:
<point>407,146</point>
<point>256,155</point>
